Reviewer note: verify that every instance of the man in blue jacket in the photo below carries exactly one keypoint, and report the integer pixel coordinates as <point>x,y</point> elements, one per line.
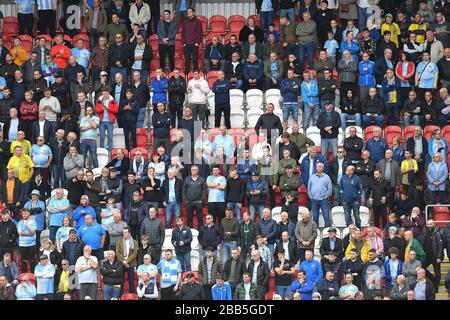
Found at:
<point>159,88</point>
<point>303,286</point>
<point>253,73</point>
<point>221,88</point>
<point>366,77</point>
<point>377,146</point>
<point>214,55</point>
<point>290,90</point>
<point>268,229</point>
<point>311,102</point>
<point>308,164</point>
<point>351,192</point>
<point>312,267</point>
<point>221,290</point>
<point>161,121</point>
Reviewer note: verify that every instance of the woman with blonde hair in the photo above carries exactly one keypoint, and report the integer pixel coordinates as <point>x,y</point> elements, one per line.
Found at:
<point>63,233</point>
<point>49,250</point>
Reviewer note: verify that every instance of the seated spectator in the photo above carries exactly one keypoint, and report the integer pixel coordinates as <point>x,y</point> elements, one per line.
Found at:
<point>231,47</point>
<point>214,55</point>
<point>302,285</point>
<point>9,270</point>
<point>399,289</point>
<point>372,109</point>
<point>246,290</point>
<point>251,28</point>
<point>234,70</point>
<point>273,71</point>
<point>349,290</point>
<point>253,73</point>
<point>25,290</point>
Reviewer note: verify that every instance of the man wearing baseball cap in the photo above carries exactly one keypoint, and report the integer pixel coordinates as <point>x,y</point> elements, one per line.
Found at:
<point>44,273</point>
<point>191,290</point>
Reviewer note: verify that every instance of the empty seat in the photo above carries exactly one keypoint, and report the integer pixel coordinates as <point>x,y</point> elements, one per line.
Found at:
<point>118,138</point>
<point>359,132</point>
<point>235,24</point>
<point>253,116</point>
<point>10,26</point>
<point>237,118</point>
<point>141,137</point>
<point>254,98</point>
<point>364,214</point>
<point>129,296</point>
<point>204,22</point>
<point>217,24</point>
<point>102,157</point>
<point>195,244</point>
<point>338,217</point>
<point>314,134</point>
<point>273,96</point>
<point>195,260</point>
<point>236,99</point>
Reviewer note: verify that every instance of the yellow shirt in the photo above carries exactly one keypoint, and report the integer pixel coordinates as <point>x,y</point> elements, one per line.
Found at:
<point>394,29</point>
<point>408,165</point>
<point>21,166</point>
<point>25,144</point>
<point>420,37</point>
<point>19,55</point>
<point>63,285</point>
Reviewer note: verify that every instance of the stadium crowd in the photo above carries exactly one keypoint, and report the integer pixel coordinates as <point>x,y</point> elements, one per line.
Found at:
<point>255,212</point>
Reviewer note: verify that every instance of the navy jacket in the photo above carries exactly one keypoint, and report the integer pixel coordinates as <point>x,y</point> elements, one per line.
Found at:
<point>351,188</point>
<point>290,90</point>
<point>267,229</point>
<point>184,234</point>
<point>221,88</point>
<point>161,124</point>
<point>178,190</point>
<point>304,167</point>
<point>128,116</point>
<point>253,70</point>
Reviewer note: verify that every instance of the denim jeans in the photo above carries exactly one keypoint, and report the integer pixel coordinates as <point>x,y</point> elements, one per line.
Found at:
<point>227,246</point>
<point>345,117</point>
<point>325,207</point>
<point>172,207</point>
<point>253,208</point>
<point>114,70</point>
<point>363,15</point>
<point>325,143</point>
<point>337,198</point>
<point>290,108</point>
<point>266,19</point>
<point>348,207</point>
<point>110,291</point>
<point>288,13</point>
<point>141,117</point>
<point>25,188</point>
<point>53,230</point>
<point>308,50</point>
<point>106,125</point>
<point>59,177</point>
<point>366,120</point>
<point>282,291</point>
<point>185,260</point>
<point>309,114</point>
<point>93,39</point>
<point>90,146</point>
<point>236,207</point>
<point>407,120</point>
<point>130,272</point>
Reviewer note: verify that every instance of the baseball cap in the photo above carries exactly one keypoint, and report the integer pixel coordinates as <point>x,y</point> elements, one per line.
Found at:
<point>103,73</point>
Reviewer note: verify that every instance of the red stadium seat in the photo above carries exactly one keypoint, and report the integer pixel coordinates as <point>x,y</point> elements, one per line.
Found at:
<point>129,296</point>
<point>235,23</point>
<point>48,38</point>
<point>446,132</point>
<point>368,132</point>
<point>82,36</point>
<point>114,152</point>
<point>390,132</point>
<point>141,137</point>
<point>211,77</point>
<point>10,26</point>
<point>27,42</point>
<point>212,133</point>
<point>408,132</point>
<point>236,133</point>
<point>441,216</point>
<point>217,24</point>
<point>227,37</point>
<point>155,62</point>
<point>257,19</point>
<point>143,150</point>
<point>252,136</point>
<point>153,42</point>
<point>204,21</point>
<point>178,43</point>
<point>302,196</point>
<point>83,25</point>
<point>30,275</point>
<point>276,23</point>
<point>428,130</point>
<point>179,60</point>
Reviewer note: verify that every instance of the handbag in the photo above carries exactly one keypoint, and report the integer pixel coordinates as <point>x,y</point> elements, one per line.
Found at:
<point>345,7</point>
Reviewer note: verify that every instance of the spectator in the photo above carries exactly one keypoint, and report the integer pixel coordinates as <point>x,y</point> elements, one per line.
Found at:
<point>192,35</point>
<point>348,69</point>
<point>115,230</point>
<point>311,103</point>
<point>306,234</point>
<point>269,122</point>
<point>423,288</point>
<point>319,189</point>
<point>126,252</point>
<point>253,73</point>
<point>85,268</point>
<point>303,286</point>
<point>351,189</point>
<point>290,92</point>
<point>221,88</point>
<point>170,271</point>
<point>93,235</point>
<point>208,270</point>
<point>11,193</point>
<point>284,271</point>
<point>260,274</point>
<point>154,229</point>
<point>434,251</point>
<point>306,34</point>
<point>107,108</point>
<point>427,75</point>
<point>252,45</point>
<point>214,55</point>
<point>172,190</point>
<point>246,290</point>
<point>25,290</point>
<point>166,32</point>
<point>44,274</point>
<point>73,162</point>
<point>111,270</point>
<point>72,249</point>
<point>273,71</point>
<point>329,122</point>
<point>198,90</point>
<point>181,240</point>
<point>391,94</point>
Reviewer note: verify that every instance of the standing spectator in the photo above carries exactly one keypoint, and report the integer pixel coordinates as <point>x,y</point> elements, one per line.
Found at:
<point>233,270</point>
<point>306,234</point>
<point>306,36</point>
<point>60,52</point>
<point>351,189</point>
<point>26,229</point>
<point>194,191</point>
<point>177,92</point>
<point>126,252</point>
<point>257,190</point>
<point>390,171</point>
<point>221,88</point>
<point>216,193</point>
<point>115,230</point>
<point>11,194</point>
<point>140,57</point>
<point>98,62</point>
<point>377,197</point>
<point>405,71</point>
<point>95,21</point>
<point>115,28</point>
<point>437,174</point>
<point>23,167</point>
<point>112,271</point>
<point>289,88</point>
<point>423,288</point>
<point>73,162</point>
<point>153,228</point>
<point>198,90</point>
<point>139,14</point>
<point>44,273</point>
<point>208,268</point>
<point>269,122</point>
<point>106,107</point>
<point>181,240</point>
<point>170,272</point>
<point>320,189</point>
<point>72,249</point>
<point>25,13</point>
<point>166,31</point>
<point>86,269</point>
<point>391,96</point>
<point>260,274</point>
<point>348,69</point>
<point>229,229</point>
<point>42,157</point>
<point>434,251</point>
<point>377,145</point>
<point>329,122</point>
<point>427,75</point>
<point>192,35</point>
<point>172,191</point>
<point>51,106</point>
<point>353,146</point>
<point>312,267</point>
<point>311,103</point>
<point>209,235</point>
<point>267,228</point>
<point>235,192</point>
<point>8,233</point>
<point>284,272</point>
<point>93,235</point>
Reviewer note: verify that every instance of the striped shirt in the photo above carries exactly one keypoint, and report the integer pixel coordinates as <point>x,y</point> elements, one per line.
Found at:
<point>169,272</point>
<point>45,5</point>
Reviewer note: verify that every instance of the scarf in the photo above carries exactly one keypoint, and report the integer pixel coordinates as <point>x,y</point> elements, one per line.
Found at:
<point>138,169</point>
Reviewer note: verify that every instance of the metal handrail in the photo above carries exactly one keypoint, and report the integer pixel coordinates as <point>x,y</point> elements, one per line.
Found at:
<point>436,205</point>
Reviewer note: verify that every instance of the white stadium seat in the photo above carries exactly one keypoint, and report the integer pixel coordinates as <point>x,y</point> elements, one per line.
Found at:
<point>237,118</point>
<point>118,138</point>
<point>314,134</point>
<point>211,102</point>
<point>341,137</point>
<point>253,116</point>
<point>276,214</point>
<point>236,99</point>
<point>273,96</point>
<point>195,245</point>
<point>254,99</point>
<point>338,217</point>
<point>359,132</point>
<point>364,214</point>
<point>102,157</point>
<point>195,259</point>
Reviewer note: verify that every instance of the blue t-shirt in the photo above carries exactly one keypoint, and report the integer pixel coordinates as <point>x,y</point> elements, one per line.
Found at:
<point>169,272</point>
<point>26,239</point>
<point>40,155</point>
<point>216,195</point>
<point>92,235</point>
<point>44,284</point>
<point>25,6</point>
<point>426,73</point>
<point>331,46</point>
